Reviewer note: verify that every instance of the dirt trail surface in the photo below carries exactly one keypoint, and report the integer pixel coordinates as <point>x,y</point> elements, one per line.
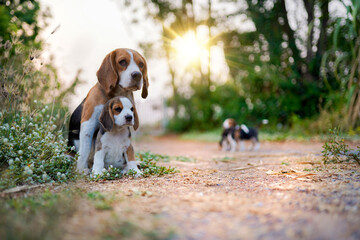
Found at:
<point>282,191</point>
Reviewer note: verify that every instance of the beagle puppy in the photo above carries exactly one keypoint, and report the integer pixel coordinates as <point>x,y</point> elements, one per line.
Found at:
<point>233,134</point>
<point>113,141</point>
<point>121,72</point>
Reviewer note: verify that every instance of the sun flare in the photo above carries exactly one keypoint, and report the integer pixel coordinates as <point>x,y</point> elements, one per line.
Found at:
<point>189,48</point>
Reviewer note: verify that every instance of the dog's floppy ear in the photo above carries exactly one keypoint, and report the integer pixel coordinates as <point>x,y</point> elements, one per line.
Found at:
<point>107,75</point>
<point>145,86</point>
<point>106,118</point>
<point>144,92</point>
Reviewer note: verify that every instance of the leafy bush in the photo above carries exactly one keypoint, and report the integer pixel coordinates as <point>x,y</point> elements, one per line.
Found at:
<point>34,149</point>
<point>149,167</point>
<point>32,146</point>
<point>337,151</point>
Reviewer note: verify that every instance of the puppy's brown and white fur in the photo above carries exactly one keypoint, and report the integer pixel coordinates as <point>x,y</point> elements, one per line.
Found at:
<point>113,142</point>
<point>121,72</point>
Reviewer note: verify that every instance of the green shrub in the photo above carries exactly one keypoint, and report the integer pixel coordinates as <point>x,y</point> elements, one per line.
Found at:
<point>149,167</point>
<point>337,151</point>
<point>33,150</point>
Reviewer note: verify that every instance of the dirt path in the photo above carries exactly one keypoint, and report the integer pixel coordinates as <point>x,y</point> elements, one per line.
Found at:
<point>282,191</point>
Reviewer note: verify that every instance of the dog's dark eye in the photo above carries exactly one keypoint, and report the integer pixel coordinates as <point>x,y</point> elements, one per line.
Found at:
<point>132,109</point>
<point>118,109</point>
<point>123,63</point>
<point>141,65</point>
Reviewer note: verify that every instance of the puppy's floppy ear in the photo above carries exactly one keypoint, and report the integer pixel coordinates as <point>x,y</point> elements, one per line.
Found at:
<point>136,118</point>
<point>107,75</point>
<point>106,118</point>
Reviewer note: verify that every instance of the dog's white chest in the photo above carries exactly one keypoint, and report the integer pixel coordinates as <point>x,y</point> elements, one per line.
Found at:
<point>114,145</point>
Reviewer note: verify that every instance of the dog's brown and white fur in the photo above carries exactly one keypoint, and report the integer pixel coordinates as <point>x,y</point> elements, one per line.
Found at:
<point>121,72</point>
<point>113,142</point>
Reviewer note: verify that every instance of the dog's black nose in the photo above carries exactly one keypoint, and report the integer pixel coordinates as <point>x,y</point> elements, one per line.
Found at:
<point>136,76</point>
<point>128,118</point>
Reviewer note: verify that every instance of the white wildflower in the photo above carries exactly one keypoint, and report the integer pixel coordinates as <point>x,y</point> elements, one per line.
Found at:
<point>5,140</point>
<point>28,171</point>
<point>45,176</point>
<point>20,152</point>
<point>104,170</point>
<point>11,162</point>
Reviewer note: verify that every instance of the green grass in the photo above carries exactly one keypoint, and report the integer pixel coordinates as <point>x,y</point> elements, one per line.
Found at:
<point>36,217</point>
<point>120,228</point>
<point>208,136</point>
<point>44,216</point>
<point>265,135</point>
<point>100,200</point>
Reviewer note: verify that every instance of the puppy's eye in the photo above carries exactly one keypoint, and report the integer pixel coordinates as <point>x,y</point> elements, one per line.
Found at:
<point>118,109</point>
<point>123,63</point>
<point>141,65</point>
<point>132,109</point>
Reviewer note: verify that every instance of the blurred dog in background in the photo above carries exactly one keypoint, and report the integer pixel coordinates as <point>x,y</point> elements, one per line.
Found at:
<point>234,135</point>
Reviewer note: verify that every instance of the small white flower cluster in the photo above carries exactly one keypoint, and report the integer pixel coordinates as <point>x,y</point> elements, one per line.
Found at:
<point>34,149</point>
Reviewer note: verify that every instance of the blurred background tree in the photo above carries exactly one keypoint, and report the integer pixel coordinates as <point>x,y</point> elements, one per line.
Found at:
<point>297,66</point>
<point>25,76</point>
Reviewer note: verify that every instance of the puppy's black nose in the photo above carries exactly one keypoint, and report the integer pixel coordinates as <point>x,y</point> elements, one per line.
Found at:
<point>128,118</point>
<point>136,76</point>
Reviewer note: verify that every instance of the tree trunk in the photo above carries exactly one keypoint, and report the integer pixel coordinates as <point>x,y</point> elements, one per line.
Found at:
<point>309,7</point>
<point>289,32</point>
<point>324,6</point>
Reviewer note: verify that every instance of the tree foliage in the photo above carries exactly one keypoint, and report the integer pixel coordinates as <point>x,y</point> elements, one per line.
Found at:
<point>24,76</point>
<point>286,68</point>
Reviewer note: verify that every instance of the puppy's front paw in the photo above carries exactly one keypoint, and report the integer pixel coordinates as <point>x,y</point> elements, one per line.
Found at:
<point>98,171</point>
<point>133,169</point>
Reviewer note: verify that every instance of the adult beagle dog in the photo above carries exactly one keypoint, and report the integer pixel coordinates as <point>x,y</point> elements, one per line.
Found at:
<point>113,142</point>
<point>121,72</point>
<point>233,134</point>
